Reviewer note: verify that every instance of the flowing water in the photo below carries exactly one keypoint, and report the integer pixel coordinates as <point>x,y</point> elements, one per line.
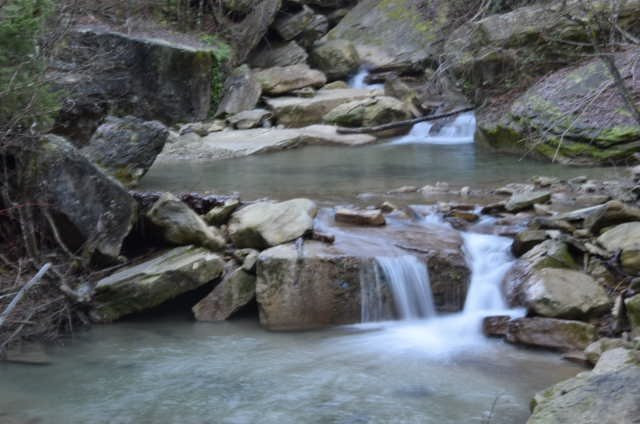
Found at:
<point>359,80</point>
<point>460,131</point>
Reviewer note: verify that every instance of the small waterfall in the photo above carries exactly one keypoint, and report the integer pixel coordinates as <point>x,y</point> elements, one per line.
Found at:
<point>460,131</point>
<point>404,279</point>
<point>359,80</point>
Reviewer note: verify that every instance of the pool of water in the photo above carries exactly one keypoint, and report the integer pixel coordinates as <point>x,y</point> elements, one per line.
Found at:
<point>340,173</point>
<point>177,371</point>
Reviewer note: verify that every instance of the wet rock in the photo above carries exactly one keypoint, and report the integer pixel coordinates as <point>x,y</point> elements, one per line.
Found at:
<point>632,305</point>
<point>153,282</point>
<point>404,189</point>
<point>387,207</point>
<point>563,293</point>
<point>278,54</point>
<point>338,59</point>
<point>26,353</point>
<point>527,240</point>
<point>233,144</point>
<point>220,215</point>
<point>267,224</point>
<point>368,112</point>
<point>360,217</point>
<point>181,225</point>
<point>496,326</point>
<point>608,394</point>
<point>95,211</point>
<point>525,200</point>
<point>106,72</point>
<point>291,25</point>
<point>549,254</point>
<point>284,79</point>
<point>624,238</point>
<point>463,215</point>
<point>598,217</point>
<point>231,295</point>
<point>298,112</point>
<point>595,350</point>
<point>250,119</point>
<point>551,333</point>
<point>241,92</point>
<point>125,148</point>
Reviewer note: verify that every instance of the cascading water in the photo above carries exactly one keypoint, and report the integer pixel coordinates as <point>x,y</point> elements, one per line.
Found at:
<point>460,131</point>
<point>359,80</point>
<point>406,280</point>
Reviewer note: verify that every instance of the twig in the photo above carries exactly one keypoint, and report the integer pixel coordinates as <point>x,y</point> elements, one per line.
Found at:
<point>35,280</point>
<point>400,124</point>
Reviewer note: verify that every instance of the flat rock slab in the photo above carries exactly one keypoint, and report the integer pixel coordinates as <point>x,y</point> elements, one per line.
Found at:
<point>360,217</point>
<point>240,143</point>
<point>231,295</point>
<point>550,333</point>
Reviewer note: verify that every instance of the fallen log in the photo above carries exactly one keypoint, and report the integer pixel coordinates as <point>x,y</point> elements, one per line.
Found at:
<point>35,280</point>
<point>400,124</point>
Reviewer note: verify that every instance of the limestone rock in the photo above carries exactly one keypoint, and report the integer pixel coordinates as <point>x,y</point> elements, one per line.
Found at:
<point>338,59</point>
<point>267,224</point>
<point>598,217</point>
<point>368,112</point>
<point>563,293</point>
<point>626,239</point>
<point>360,217</point>
<point>284,79</point>
<point>97,212</point>
<point>525,200</point>
<point>633,313</point>
<point>495,326</point>
<point>220,215</point>
<point>317,27</point>
<point>241,92</point>
<point>278,54</point>
<point>526,240</point>
<point>125,148</point>
<point>250,119</point>
<point>181,225</point>
<point>153,282</point>
<point>291,25</point>
<point>233,293</point>
<point>595,350</point>
<point>551,333</point>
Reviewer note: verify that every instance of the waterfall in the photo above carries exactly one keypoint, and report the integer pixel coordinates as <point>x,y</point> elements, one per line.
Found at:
<point>460,131</point>
<point>403,278</point>
<point>359,80</point>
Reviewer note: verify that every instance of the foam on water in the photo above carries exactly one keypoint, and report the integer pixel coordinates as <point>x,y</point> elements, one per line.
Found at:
<point>359,80</point>
<point>460,131</point>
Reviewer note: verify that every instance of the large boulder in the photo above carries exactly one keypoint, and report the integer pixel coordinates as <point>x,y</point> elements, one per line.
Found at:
<point>284,79</point>
<point>289,26</point>
<point>551,333</point>
<point>624,238</point>
<point>278,54</point>
<point>595,218</point>
<point>94,210</point>
<point>632,305</point>
<point>105,72</point>
<point>247,33</point>
<point>338,59</point>
<point>267,224</point>
<point>125,148</point>
<point>526,199</point>
<point>231,295</point>
<point>368,112</point>
<point>153,282</point>
<point>241,92</point>
<point>298,111</point>
<point>545,119</point>
<point>563,293</point>
<point>608,394</point>
<point>181,225</point>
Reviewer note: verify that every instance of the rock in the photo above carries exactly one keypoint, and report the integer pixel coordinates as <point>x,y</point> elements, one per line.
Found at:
<point>291,25</point>
<point>368,112</point>
<point>336,85</point>
<point>550,254</point>
<point>624,238</point>
<point>267,224</point>
<point>251,261</point>
<point>403,189</point>
<point>595,350</point>
<point>28,353</point>
<point>551,333</point>
<point>496,326</point>
<point>125,148</point>
<point>233,144</point>
<point>241,92</point>
<point>338,59</point>
<point>104,72</point>
<point>181,225</point>
<point>525,200</point>
<point>608,394</point>
<point>231,295</point>
<point>238,6</point>
<point>248,32</point>
<point>284,79</point>
<point>463,215</point>
<point>278,54</point>
<point>153,282</point>
<point>527,240</point>
<point>598,217</point>
<point>299,112</point>
<point>563,293</point>
<point>388,207</point>
<point>318,27</point>
<point>514,188</point>
<point>544,120</point>
<point>95,211</point>
<point>632,305</point>
<point>250,119</point>
<point>220,215</point>
<point>360,217</point>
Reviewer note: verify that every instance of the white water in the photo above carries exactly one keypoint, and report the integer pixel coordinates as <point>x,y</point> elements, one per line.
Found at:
<point>359,80</point>
<point>408,280</point>
<point>460,131</point>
